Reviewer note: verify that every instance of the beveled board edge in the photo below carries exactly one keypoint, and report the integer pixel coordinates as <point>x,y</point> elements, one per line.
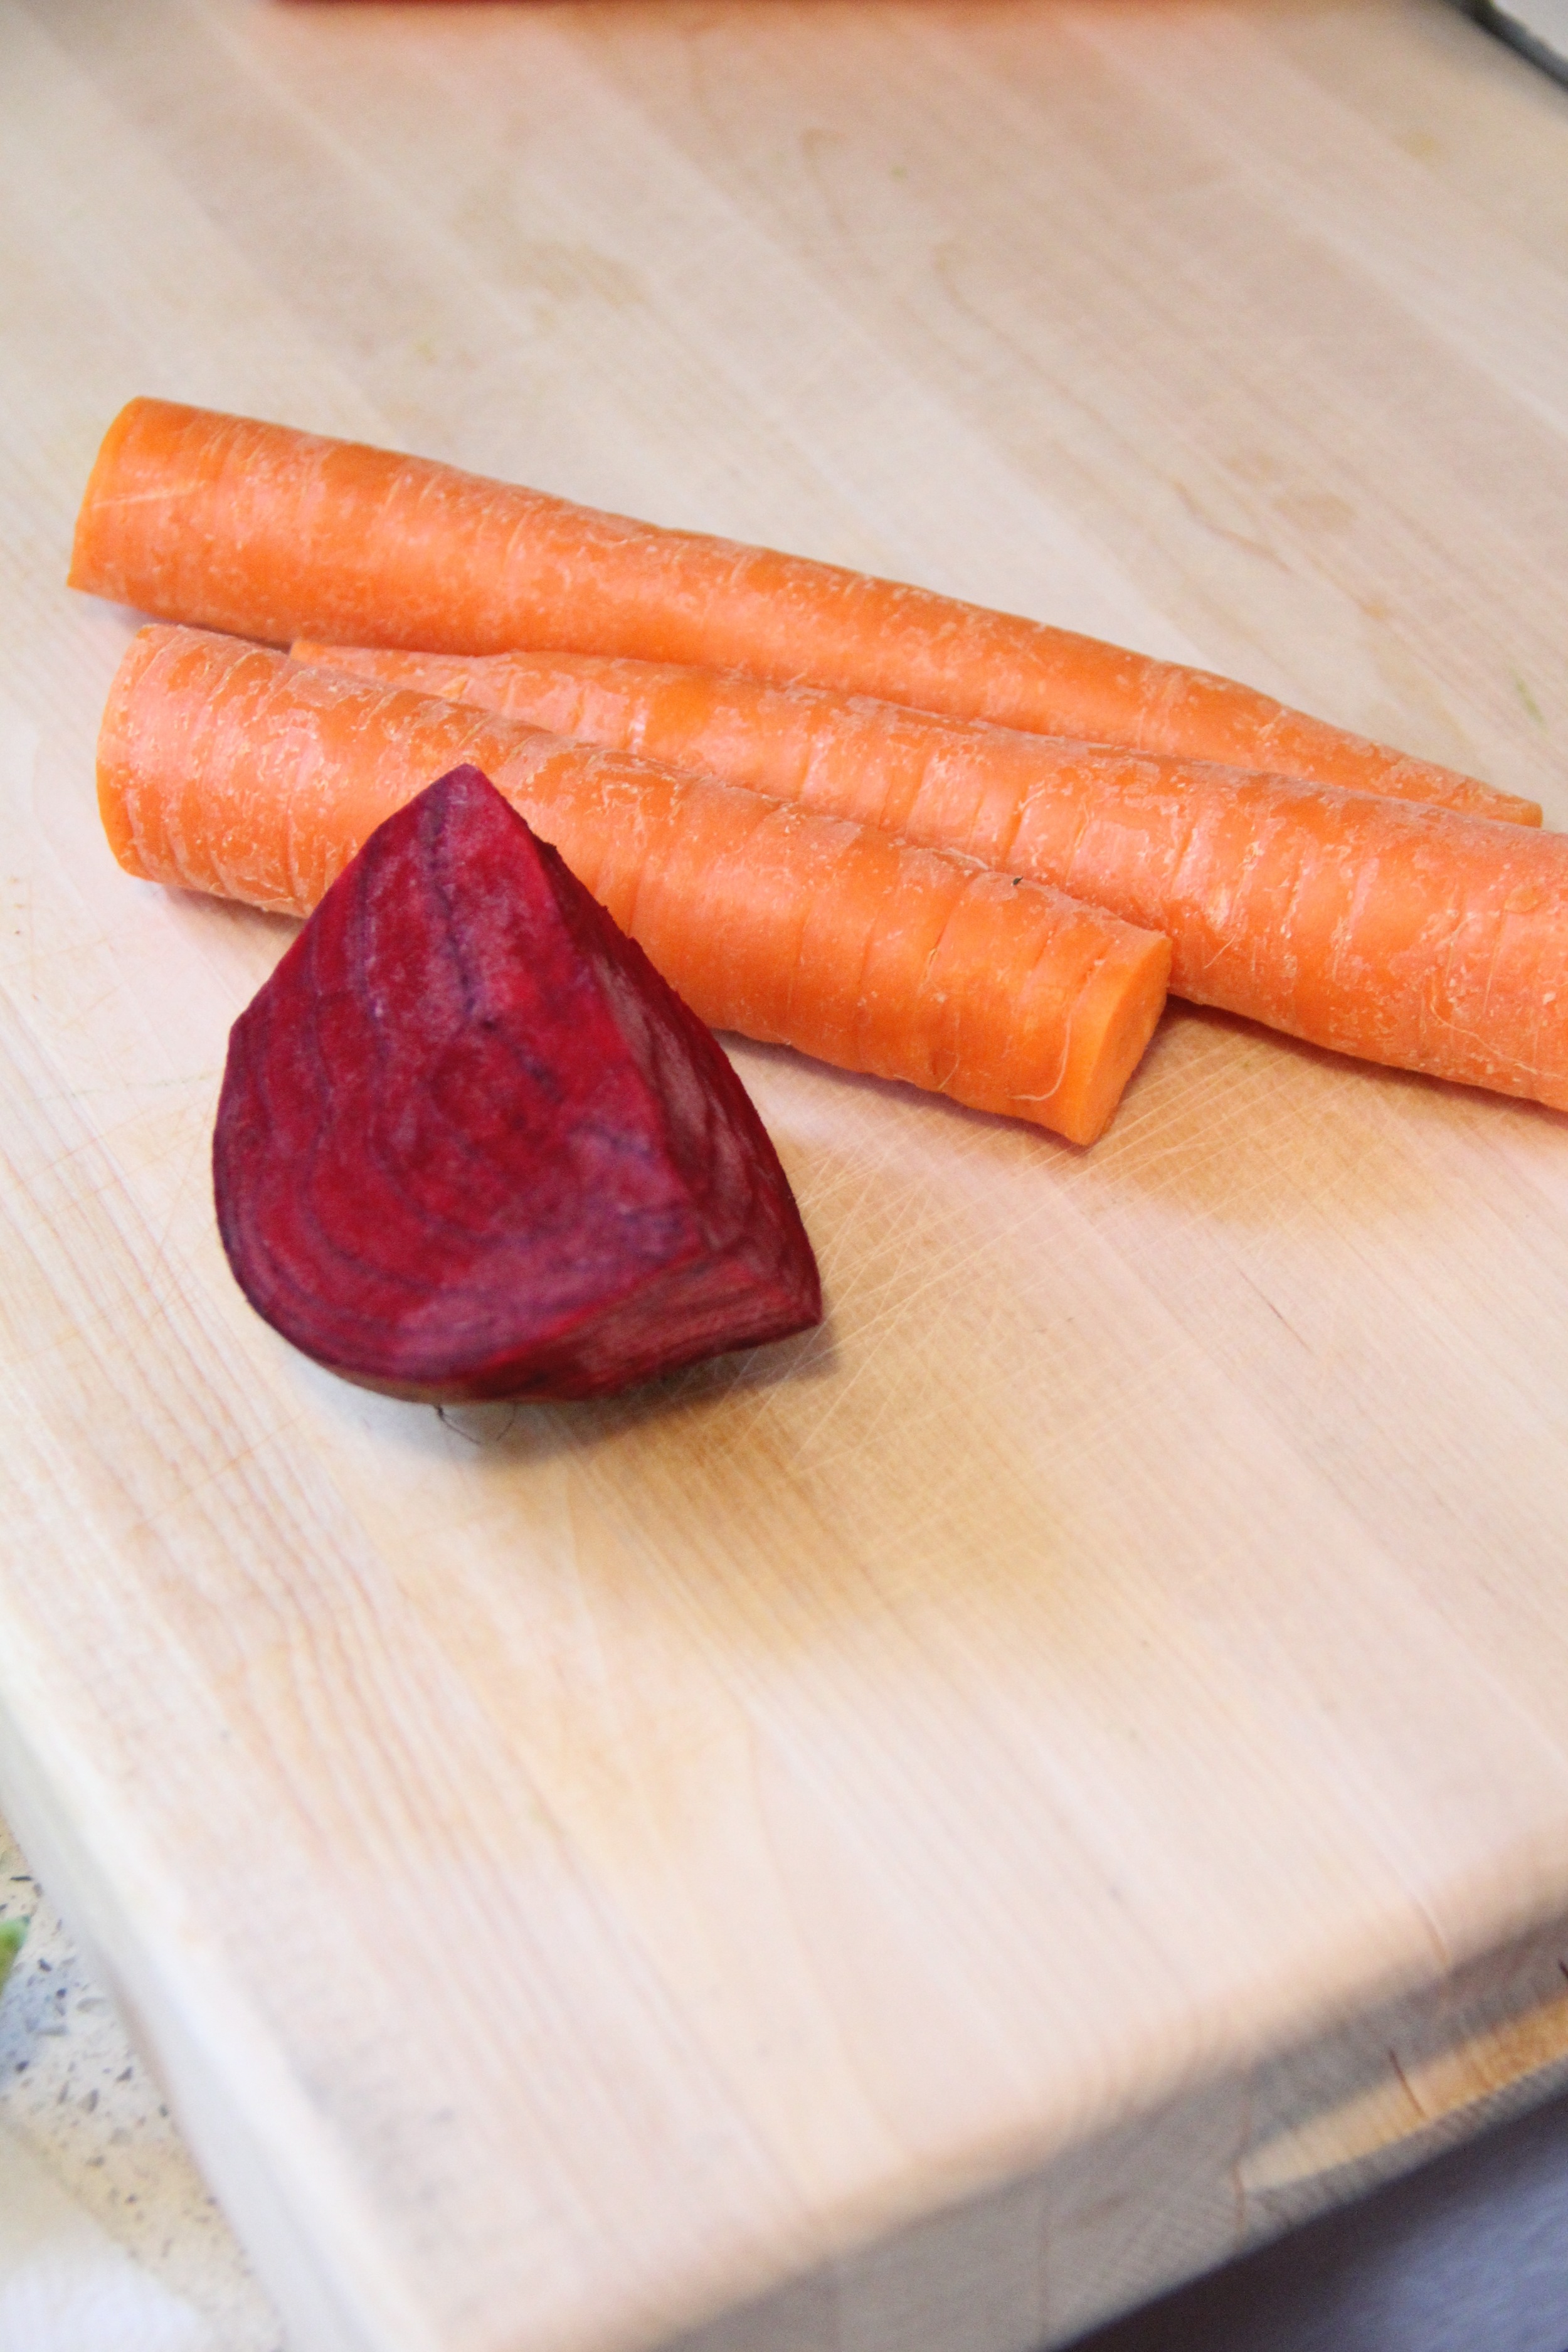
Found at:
<point>1218,2166</point>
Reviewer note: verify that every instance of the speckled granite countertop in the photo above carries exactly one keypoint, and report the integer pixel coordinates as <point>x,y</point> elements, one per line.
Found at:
<point>109,2242</point>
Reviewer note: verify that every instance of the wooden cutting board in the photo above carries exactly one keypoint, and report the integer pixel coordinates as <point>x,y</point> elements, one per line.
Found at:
<point>919,1838</point>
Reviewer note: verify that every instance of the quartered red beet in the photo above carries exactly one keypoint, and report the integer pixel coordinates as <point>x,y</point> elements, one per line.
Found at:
<point>469,1144</point>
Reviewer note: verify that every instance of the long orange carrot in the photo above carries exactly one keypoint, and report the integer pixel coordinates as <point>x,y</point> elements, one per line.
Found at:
<point>1381,930</point>
<point>1421,937</point>
<point>277,534</point>
<point>225,767</point>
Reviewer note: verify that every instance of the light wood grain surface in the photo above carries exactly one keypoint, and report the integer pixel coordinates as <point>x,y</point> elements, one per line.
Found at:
<point>921,1837</point>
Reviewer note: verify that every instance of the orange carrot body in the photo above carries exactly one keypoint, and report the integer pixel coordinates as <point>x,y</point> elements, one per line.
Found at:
<point>277,534</point>
<point>227,768</point>
<point>1405,935</point>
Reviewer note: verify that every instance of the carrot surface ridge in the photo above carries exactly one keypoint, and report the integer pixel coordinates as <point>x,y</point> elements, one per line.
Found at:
<point>1393,932</point>
<point>226,767</point>
<point>235,524</point>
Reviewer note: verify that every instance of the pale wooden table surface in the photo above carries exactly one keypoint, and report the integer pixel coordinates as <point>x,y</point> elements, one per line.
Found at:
<point>953,1827</point>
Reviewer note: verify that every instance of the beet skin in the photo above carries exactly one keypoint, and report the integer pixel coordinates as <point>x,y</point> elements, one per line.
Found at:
<point>469,1144</point>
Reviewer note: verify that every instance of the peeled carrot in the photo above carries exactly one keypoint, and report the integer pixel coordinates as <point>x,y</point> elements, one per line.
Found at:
<point>1404,935</point>
<point>227,768</point>
<point>277,534</point>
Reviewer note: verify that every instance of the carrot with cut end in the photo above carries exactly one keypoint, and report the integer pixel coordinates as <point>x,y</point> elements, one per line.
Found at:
<point>227,768</point>
<point>1404,935</point>
<point>277,534</point>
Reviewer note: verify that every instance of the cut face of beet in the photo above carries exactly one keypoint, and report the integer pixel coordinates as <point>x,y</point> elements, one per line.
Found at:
<point>469,1144</point>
